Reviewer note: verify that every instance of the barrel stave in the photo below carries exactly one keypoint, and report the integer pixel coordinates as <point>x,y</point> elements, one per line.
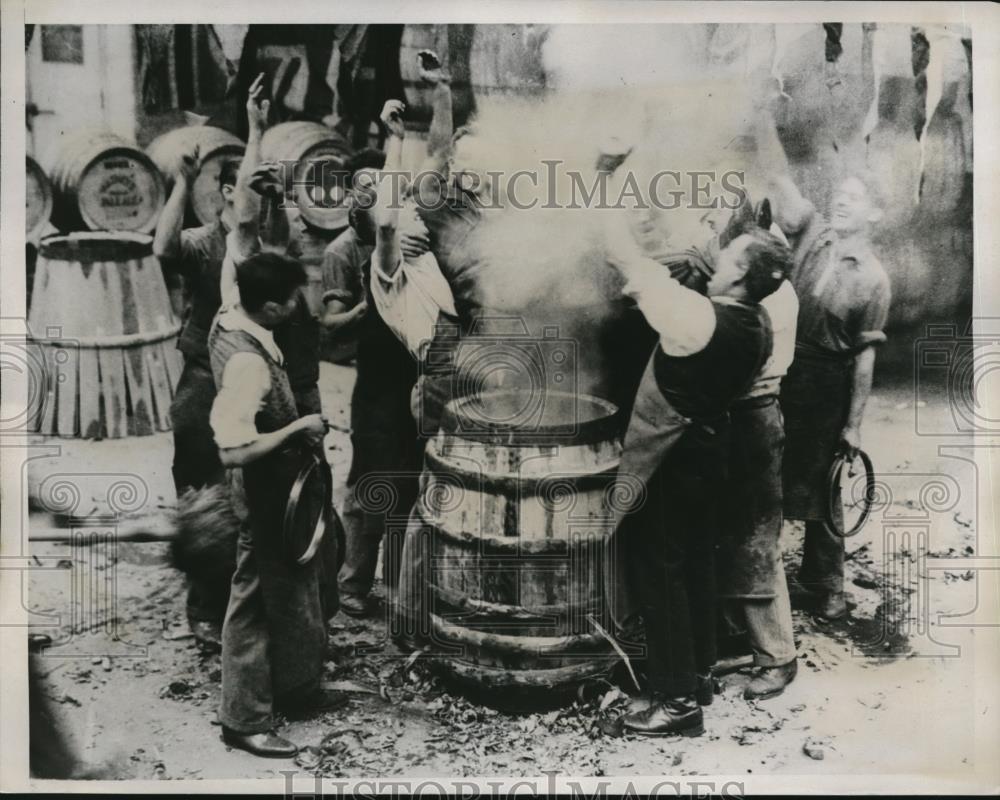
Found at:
<point>107,333</point>
<point>519,534</point>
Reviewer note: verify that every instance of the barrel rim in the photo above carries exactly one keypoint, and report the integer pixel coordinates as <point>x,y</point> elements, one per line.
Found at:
<point>482,675</point>
<point>515,484</point>
<point>539,646</point>
<point>506,611</point>
<point>66,247</point>
<point>591,431</point>
<point>139,155</point>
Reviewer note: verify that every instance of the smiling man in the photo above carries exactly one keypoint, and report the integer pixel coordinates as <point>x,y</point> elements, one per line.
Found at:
<point>844,298</point>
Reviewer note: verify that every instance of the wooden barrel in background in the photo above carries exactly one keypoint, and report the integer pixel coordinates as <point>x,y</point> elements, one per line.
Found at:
<point>37,199</point>
<point>104,182</point>
<point>313,158</point>
<point>101,317</point>
<point>520,517</point>
<point>215,147</point>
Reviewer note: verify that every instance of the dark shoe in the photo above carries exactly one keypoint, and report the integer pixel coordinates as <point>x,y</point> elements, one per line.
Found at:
<point>265,745</point>
<point>801,597</point>
<point>354,605</point>
<point>675,716</point>
<point>208,634</point>
<point>318,702</point>
<point>833,606</point>
<point>705,692</point>
<point>770,681</point>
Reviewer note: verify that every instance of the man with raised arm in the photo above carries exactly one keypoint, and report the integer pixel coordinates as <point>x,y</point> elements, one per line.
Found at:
<point>844,299</point>
<point>197,254</point>
<point>274,635</point>
<point>661,557</point>
<point>385,450</point>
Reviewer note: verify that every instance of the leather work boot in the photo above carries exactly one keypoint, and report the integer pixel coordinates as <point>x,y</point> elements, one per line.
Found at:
<point>833,606</point>
<point>265,745</point>
<point>207,634</point>
<point>667,716</point>
<point>771,681</point>
<point>354,605</point>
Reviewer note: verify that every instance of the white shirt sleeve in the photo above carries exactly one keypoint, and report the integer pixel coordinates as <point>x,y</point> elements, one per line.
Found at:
<point>684,319</point>
<point>245,383</point>
<point>782,307</point>
<point>234,257</point>
<point>411,300</point>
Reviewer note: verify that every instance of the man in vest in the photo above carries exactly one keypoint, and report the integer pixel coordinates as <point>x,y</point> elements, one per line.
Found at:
<point>274,634</point>
<point>660,559</point>
<point>197,255</point>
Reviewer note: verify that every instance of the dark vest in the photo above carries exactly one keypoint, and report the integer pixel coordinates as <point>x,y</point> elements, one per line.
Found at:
<point>278,409</point>
<point>705,384</point>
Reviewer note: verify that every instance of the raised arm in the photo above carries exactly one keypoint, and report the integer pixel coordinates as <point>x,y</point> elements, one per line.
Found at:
<point>246,202</point>
<point>243,239</point>
<point>442,123</point>
<point>167,239</point>
<point>387,254</point>
<point>792,211</point>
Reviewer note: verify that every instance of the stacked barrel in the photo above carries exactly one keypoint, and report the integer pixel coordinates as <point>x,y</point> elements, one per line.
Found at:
<point>99,309</point>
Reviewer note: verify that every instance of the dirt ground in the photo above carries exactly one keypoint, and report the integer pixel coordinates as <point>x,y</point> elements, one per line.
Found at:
<point>863,702</point>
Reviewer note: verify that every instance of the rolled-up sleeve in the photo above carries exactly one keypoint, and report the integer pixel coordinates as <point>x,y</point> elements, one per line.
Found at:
<point>343,278</point>
<point>873,315</point>
<point>411,300</point>
<point>684,319</point>
<point>245,383</point>
<point>229,288</point>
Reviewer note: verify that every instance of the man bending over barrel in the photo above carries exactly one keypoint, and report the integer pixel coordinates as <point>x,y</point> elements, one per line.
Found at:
<point>710,351</point>
<point>274,635</point>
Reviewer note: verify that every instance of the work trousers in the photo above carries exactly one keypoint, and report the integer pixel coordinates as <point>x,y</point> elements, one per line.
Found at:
<point>274,635</point>
<point>382,482</point>
<point>754,577</point>
<point>769,625</point>
<point>822,569</point>
<point>674,563</point>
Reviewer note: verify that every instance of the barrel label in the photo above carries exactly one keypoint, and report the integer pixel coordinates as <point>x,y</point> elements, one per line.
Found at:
<point>120,193</point>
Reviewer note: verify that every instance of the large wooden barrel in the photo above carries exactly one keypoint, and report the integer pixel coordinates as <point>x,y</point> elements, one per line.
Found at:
<point>215,147</point>
<point>520,515</point>
<point>104,182</point>
<point>313,158</point>
<point>101,318</point>
<point>37,199</point>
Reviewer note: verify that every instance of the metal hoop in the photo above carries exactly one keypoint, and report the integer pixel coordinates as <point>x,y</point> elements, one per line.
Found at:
<point>292,507</point>
<point>833,484</point>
